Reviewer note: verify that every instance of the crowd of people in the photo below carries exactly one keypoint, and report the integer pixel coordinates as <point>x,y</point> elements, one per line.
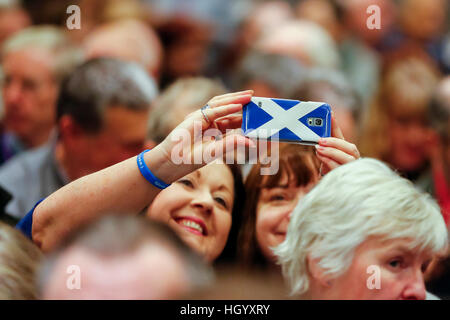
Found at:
<point>94,206</point>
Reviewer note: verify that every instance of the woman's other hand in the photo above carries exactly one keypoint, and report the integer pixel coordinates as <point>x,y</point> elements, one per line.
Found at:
<point>335,151</point>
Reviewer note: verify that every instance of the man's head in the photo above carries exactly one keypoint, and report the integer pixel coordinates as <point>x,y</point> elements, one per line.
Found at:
<point>130,40</point>
<point>34,61</point>
<point>12,19</point>
<point>102,113</point>
<point>122,257</point>
<point>270,75</point>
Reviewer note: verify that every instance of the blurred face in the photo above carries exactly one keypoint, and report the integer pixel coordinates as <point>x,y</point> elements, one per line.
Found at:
<point>138,47</point>
<point>29,94</point>
<point>356,18</point>
<point>12,21</point>
<point>431,15</point>
<point>199,207</point>
<point>122,136</point>
<point>273,212</point>
<point>401,272</point>
<point>262,89</point>
<point>187,51</point>
<point>264,17</point>
<point>409,138</point>
<point>320,12</point>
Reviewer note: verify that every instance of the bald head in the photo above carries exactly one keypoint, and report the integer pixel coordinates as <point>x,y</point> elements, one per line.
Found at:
<point>151,271</point>
<point>129,40</point>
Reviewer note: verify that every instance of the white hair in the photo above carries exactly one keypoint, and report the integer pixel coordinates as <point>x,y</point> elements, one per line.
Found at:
<point>351,203</point>
<point>55,40</point>
<point>304,38</point>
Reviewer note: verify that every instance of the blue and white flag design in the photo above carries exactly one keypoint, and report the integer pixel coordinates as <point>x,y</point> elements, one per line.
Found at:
<point>289,119</point>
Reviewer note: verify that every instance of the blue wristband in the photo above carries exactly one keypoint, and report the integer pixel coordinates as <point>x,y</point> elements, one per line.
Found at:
<point>147,174</point>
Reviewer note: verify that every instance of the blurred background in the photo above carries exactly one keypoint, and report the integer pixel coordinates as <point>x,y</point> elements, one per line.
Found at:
<point>383,66</point>
<point>380,81</point>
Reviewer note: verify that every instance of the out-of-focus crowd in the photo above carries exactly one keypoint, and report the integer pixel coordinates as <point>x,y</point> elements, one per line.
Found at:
<point>88,88</point>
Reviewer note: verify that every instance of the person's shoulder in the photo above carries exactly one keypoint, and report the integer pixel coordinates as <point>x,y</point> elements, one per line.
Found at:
<point>25,163</point>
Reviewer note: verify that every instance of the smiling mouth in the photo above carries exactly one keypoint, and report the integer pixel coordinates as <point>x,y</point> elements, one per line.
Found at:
<point>193,225</point>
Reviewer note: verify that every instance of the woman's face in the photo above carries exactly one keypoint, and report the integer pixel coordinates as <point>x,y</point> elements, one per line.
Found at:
<point>273,212</point>
<point>400,273</point>
<point>409,141</point>
<point>198,207</point>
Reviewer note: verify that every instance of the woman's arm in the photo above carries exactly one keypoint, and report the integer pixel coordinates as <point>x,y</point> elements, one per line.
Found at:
<point>121,188</point>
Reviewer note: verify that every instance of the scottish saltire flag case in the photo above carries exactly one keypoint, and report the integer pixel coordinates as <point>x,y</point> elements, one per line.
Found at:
<point>292,121</point>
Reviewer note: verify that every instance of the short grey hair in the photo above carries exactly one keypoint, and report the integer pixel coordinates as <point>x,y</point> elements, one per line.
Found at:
<point>102,83</point>
<point>55,40</point>
<point>284,74</point>
<point>358,200</point>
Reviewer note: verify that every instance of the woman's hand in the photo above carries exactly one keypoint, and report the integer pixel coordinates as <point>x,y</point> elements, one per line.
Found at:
<point>122,188</point>
<point>201,133</point>
<point>335,151</point>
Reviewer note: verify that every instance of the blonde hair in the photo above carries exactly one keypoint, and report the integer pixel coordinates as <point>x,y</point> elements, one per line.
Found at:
<point>358,200</point>
<point>406,89</point>
<point>19,259</point>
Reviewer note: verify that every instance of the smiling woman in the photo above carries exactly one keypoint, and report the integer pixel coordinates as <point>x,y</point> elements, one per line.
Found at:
<point>271,199</point>
<point>201,202</point>
<point>204,209</point>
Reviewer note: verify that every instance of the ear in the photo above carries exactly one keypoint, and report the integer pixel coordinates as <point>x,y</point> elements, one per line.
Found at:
<point>149,144</point>
<point>69,129</point>
<point>317,273</point>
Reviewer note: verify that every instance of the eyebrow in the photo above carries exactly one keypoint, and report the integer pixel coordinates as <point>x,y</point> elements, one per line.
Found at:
<point>223,187</point>
<point>402,249</point>
<point>280,185</point>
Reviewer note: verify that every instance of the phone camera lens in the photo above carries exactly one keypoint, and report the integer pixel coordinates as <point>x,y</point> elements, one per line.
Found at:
<point>318,122</point>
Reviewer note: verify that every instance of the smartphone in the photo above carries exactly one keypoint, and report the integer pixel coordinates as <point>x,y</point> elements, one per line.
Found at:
<point>294,121</point>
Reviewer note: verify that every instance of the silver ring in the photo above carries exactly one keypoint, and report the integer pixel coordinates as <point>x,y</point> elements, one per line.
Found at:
<point>204,114</point>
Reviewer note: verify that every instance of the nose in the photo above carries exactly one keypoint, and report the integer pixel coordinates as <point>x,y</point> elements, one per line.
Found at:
<point>415,289</point>
<point>12,93</point>
<point>203,202</point>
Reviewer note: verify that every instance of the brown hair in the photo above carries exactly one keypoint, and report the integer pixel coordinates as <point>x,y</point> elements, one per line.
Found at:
<point>19,259</point>
<point>406,90</point>
<point>298,163</point>
<point>229,253</point>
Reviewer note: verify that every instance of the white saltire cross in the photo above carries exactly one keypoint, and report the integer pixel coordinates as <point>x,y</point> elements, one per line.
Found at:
<point>285,119</point>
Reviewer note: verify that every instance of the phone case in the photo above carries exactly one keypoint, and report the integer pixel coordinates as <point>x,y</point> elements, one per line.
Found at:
<point>292,121</point>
